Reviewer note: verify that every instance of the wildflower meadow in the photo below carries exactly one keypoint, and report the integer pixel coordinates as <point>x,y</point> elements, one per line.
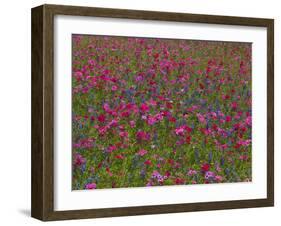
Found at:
<point>156,112</point>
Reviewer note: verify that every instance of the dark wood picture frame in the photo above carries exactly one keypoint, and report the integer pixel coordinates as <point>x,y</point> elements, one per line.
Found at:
<point>42,203</point>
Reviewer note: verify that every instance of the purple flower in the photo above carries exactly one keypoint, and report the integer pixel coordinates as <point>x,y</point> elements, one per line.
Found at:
<point>209,175</point>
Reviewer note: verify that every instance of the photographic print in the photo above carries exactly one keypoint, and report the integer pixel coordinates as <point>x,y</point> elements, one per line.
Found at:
<point>147,112</point>
<point>154,112</point>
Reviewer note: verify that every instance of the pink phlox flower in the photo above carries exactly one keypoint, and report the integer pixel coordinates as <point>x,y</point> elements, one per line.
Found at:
<point>132,124</point>
<point>123,134</point>
<point>106,107</point>
<point>151,120</point>
<point>113,123</point>
<point>142,152</point>
<point>159,116</point>
<point>180,131</point>
<point>201,118</point>
<point>103,130</point>
<point>114,88</point>
<point>152,102</point>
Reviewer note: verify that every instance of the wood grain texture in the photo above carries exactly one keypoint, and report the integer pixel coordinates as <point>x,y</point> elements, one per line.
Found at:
<point>37,161</point>
<point>43,107</point>
<point>270,111</point>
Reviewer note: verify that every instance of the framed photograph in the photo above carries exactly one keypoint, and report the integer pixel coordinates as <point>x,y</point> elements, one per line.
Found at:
<point>141,112</point>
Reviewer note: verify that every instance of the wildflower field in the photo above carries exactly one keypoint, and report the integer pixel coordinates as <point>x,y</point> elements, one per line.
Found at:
<point>153,112</point>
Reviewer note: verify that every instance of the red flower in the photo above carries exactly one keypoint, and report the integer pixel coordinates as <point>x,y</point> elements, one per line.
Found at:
<point>108,171</point>
<point>100,165</point>
<point>119,156</point>
<point>237,145</point>
<point>167,174</point>
<point>148,162</point>
<point>215,127</point>
<point>225,97</point>
<point>156,55</point>
<point>125,114</point>
<point>188,139</point>
<point>144,108</point>
<point>169,105</point>
<point>179,181</point>
<point>172,119</point>
<point>188,129</point>
<point>101,118</point>
<point>205,167</point>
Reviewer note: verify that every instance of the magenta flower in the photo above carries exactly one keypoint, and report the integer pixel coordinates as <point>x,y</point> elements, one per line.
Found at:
<point>180,130</point>
<point>228,118</point>
<point>91,186</point>
<point>113,123</point>
<point>144,107</point>
<point>151,120</point>
<point>139,78</point>
<point>114,88</point>
<point>159,116</point>
<point>234,105</point>
<point>152,102</point>
<point>101,118</point>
